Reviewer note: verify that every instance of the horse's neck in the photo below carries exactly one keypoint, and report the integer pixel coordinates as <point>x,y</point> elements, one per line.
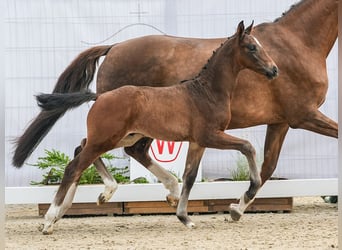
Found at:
<point>315,22</point>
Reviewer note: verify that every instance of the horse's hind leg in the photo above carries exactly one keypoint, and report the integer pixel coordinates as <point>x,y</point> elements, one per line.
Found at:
<point>139,151</point>
<point>110,183</point>
<point>66,191</point>
<point>193,159</point>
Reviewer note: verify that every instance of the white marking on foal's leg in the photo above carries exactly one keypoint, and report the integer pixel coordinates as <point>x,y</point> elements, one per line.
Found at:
<point>110,183</point>
<point>55,212</point>
<point>110,187</point>
<point>182,213</point>
<point>169,181</point>
<point>237,210</point>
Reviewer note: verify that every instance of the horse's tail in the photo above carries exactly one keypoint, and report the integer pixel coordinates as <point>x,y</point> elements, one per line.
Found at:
<point>58,102</point>
<point>75,78</point>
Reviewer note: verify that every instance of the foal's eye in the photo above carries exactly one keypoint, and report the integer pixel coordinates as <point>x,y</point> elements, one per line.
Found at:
<point>251,47</point>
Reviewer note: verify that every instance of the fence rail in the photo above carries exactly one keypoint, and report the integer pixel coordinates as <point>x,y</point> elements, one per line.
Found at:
<point>156,192</point>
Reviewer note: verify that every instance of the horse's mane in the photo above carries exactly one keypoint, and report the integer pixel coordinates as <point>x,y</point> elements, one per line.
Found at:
<point>293,6</point>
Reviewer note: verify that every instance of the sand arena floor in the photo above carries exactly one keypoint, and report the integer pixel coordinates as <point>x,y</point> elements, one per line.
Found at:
<point>311,225</point>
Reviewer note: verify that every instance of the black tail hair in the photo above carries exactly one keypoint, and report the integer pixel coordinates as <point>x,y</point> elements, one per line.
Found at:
<point>76,77</point>
<point>59,102</point>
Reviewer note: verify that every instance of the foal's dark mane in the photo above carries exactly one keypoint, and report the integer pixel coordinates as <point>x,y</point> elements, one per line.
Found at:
<point>198,86</point>
<point>208,62</point>
<point>204,68</point>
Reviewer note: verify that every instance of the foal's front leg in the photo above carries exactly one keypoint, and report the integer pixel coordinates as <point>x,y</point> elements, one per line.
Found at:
<point>221,140</point>
<point>195,153</point>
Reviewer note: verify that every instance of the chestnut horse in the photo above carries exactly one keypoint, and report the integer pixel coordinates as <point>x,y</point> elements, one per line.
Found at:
<point>305,34</point>
<point>198,111</point>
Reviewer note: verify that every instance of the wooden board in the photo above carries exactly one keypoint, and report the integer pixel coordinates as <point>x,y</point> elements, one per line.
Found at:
<point>259,205</point>
<point>161,207</point>
<point>88,208</point>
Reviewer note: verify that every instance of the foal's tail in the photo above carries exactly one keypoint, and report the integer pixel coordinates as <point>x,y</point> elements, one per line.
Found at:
<point>75,78</point>
<point>60,102</point>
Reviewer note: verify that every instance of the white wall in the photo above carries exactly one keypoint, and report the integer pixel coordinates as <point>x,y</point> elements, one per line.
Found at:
<point>42,37</point>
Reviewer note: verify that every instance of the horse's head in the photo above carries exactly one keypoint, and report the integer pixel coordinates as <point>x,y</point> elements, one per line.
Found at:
<point>252,55</point>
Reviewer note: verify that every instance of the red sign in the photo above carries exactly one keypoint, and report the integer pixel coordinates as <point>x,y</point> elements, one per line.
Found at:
<point>165,151</point>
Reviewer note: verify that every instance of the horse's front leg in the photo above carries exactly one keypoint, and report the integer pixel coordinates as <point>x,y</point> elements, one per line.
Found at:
<point>66,191</point>
<point>195,153</point>
<point>110,183</point>
<point>275,136</point>
<point>221,140</point>
<point>139,151</point>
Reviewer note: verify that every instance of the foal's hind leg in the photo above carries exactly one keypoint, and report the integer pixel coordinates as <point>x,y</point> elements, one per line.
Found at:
<point>67,188</point>
<point>220,140</point>
<point>110,183</point>
<point>139,151</point>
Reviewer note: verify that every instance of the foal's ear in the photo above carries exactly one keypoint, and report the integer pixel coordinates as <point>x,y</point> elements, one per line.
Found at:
<point>240,30</point>
<point>248,30</point>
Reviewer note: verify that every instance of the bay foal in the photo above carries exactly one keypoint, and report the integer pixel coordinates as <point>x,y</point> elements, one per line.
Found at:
<point>197,111</point>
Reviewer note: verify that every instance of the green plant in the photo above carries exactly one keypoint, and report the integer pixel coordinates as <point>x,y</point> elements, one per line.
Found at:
<point>241,172</point>
<point>141,180</point>
<point>54,162</point>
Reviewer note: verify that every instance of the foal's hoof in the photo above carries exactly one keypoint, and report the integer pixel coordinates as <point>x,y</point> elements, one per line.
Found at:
<point>101,199</point>
<point>186,221</point>
<point>235,212</point>
<point>172,200</point>
<point>45,230</point>
<point>190,225</point>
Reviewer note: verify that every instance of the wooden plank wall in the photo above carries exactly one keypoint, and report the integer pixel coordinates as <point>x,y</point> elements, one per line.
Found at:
<point>161,207</point>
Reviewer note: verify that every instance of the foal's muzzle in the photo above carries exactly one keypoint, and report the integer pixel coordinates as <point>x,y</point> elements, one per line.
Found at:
<point>272,72</point>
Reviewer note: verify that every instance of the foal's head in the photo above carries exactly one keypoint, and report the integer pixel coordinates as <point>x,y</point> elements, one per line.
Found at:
<point>251,53</point>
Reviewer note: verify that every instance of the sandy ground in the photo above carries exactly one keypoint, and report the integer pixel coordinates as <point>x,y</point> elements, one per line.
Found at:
<point>311,225</point>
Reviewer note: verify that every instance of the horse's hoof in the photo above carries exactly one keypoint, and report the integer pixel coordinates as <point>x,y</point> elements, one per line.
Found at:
<point>172,200</point>
<point>101,199</point>
<point>235,212</point>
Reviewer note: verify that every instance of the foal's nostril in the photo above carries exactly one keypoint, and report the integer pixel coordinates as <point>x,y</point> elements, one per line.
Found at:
<point>275,70</point>
<point>272,72</point>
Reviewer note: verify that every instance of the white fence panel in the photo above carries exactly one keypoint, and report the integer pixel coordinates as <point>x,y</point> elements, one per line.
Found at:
<point>157,192</point>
